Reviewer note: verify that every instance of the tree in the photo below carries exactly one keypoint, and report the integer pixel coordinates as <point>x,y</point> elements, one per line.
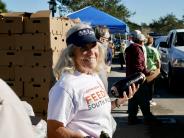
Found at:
<point>133,26</point>
<point>167,23</point>
<point>2,7</point>
<point>112,7</point>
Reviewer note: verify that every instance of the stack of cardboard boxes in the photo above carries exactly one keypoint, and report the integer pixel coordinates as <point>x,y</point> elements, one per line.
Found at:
<point>30,45</point>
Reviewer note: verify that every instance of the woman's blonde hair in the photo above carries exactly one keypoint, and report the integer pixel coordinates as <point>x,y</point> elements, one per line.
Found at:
<point>65,62</point>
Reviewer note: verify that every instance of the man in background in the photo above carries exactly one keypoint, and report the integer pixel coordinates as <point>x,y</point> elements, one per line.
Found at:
<point>136,62</point>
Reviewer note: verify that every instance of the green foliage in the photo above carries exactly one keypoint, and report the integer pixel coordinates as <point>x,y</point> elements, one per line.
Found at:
<point>133,26</point>
<point>165,24</point>
<point>2,7</point>
<point>112,7</point>
<point>117,9</point>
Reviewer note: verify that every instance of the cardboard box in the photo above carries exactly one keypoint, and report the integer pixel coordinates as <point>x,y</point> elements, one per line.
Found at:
<point>39,42</point>
<point>7,42</point>
<point>10,58</point>
<point>55,58</point>
<point>12,22</point>
<point>17,87</point>
<point>19,73</point>
<point>7,73</point>
<point>66,25</point>
<point>56,42</point>
<point>35,41</point>
<point>37,90</point>
<point>38,104</point>
<point>42,22</point>
<point>36,74</point>
<point>37,58</point>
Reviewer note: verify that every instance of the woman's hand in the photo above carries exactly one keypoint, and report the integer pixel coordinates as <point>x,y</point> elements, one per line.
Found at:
<point>132,90</point>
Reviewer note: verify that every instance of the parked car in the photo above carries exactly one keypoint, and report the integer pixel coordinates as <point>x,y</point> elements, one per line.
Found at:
<point>172,59</point>
<point>158,40</point>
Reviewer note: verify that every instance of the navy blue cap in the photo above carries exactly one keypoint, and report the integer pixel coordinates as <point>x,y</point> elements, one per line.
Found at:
<point>82,37</point>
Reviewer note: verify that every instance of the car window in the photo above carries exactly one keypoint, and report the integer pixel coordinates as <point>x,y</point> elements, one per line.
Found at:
<point>179,40</point>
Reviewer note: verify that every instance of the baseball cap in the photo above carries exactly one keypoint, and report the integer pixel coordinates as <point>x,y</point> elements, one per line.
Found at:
<point>82,37</point>
<point>135,33</point>
<point>141,37</point>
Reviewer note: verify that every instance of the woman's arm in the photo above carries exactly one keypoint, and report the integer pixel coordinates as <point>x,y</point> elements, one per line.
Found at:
<point>56,129</point>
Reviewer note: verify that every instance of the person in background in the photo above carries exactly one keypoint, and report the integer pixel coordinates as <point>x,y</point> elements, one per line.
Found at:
<point>109,56</point>
<point>131,37</point>
<point>112,46</point>
<point>79,105</point>
<point>121,54</point>
<point>14,119</point>
<point>153,64</point>
<point>135,62</point>
<point>103,36</point>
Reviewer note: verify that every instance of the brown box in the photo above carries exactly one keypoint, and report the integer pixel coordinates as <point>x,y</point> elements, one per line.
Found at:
<point>12,22</point>
<point>7,73</point>
<point>7,42</point>
<point>38,104</point>
<point>19,73</point>
<point>17,87</point>
<point>35,41</point>
<point>36,74</point>
<point>42,22</point>
<point>37,58</point>
<point>10,58</point>
<point>55,58</point>
<point>66,24</point>
<point>56,42</point>
<point>37,90</point>
<point>39,42</point>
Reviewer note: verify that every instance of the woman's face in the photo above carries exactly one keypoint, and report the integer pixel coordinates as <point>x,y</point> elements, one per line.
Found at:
<point>86,58</point>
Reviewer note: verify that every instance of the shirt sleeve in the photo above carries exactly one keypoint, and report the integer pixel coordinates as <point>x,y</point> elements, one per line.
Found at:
<point>60,105</point>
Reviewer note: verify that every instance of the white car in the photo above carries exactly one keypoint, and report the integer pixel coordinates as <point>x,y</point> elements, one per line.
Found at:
<point>158,40</point>
<point>172,59</point>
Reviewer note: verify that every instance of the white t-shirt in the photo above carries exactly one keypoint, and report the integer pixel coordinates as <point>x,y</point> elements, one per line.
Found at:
<point>82,104</point>
<point>14,120</point>
<point>145,55</point>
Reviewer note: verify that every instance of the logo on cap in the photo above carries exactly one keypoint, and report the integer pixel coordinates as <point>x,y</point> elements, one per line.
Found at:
<point>85,32</point>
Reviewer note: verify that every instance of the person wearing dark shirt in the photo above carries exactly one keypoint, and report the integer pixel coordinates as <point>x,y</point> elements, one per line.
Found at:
<point>135,62</point>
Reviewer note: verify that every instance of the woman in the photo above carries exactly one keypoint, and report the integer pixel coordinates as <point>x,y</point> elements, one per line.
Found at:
<point>121,54</point>
<point>79,105</point>
<point>153,64</point>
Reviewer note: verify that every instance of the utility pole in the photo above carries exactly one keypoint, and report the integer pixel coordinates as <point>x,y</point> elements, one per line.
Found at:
<point>52,6</point>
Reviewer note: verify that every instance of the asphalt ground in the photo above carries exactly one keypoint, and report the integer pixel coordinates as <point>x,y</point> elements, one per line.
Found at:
<point>169,110</point>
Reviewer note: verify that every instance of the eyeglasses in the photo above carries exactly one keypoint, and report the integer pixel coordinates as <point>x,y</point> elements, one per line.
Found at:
<point>104,39</point>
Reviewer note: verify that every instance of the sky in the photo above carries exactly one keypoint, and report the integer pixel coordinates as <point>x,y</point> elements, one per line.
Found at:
<point>146,10</point>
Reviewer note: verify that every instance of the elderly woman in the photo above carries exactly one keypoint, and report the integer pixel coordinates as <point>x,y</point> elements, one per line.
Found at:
<point>79,105</point>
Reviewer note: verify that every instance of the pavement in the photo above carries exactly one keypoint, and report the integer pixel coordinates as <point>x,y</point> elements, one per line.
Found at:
<point>169,110</point>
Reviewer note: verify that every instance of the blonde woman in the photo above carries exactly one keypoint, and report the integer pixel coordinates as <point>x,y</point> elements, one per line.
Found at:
<point>79,105</point>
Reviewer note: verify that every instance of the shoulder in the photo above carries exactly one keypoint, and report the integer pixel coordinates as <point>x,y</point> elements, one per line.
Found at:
<point>67,79</point>
<point>153,49</point>
<point>134,48</point>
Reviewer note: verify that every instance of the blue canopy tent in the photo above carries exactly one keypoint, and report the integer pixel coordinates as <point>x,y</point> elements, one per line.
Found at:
<point>99,18</point>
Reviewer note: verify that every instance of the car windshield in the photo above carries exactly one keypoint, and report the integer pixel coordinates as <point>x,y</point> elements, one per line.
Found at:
<point>179,39</point>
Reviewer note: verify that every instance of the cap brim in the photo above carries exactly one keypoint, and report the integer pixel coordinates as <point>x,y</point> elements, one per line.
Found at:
<point>87,40</point>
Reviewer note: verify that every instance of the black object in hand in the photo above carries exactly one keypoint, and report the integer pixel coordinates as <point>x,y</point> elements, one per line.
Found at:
<point>119,87</point>
<point>104,135</point>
